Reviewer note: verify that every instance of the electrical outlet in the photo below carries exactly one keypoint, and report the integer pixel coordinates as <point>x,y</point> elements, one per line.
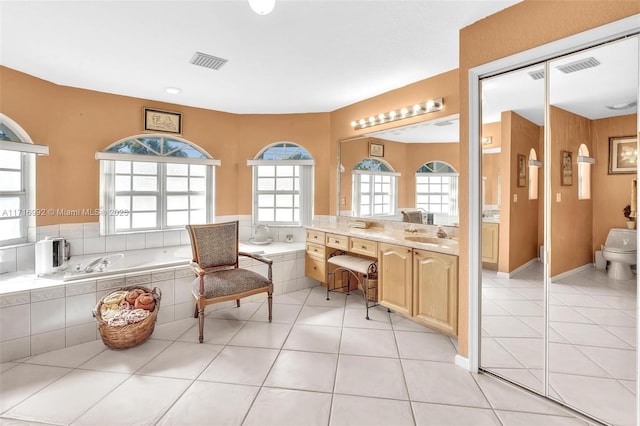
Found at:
<point>558,197</point>
<point>515,198</point>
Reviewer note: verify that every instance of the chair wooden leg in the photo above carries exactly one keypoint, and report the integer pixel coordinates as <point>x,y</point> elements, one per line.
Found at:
<point>201,324</point>
<point>270,305</point>
<point>196,312</point>
<point>238,303</point>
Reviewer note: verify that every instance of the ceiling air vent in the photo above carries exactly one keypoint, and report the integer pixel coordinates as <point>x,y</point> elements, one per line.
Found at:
<point>208,61</point>
<point>582,64</point>
<point>443,123</point>
<point>536,75</point>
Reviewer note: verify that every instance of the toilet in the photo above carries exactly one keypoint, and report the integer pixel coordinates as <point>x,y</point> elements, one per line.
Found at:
<point>620,251</point>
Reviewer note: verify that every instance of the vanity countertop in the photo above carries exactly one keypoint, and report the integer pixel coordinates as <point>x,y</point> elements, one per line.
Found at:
<point>381,235</point>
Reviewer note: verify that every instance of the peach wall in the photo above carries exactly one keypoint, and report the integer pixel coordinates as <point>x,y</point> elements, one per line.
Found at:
<point>571,218</point>
<point>76,123</point>
<point>610,192</point>
<point>522,246</point>
<point>523,26</point>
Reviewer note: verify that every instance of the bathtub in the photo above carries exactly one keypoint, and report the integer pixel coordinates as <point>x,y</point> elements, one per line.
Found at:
<point>133,261</point>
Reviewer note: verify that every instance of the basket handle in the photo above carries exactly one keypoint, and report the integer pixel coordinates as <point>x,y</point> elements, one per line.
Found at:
<point>158,291</point>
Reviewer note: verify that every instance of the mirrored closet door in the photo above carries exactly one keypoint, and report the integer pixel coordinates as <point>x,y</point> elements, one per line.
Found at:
<point>567,168</point>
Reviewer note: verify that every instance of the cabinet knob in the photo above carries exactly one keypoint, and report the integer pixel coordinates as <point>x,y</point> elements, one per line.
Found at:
<point>363,247</point>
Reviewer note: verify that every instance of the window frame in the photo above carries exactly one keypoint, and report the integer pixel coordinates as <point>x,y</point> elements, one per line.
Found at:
<point>27,194</point>
<point>305,177</point>
<point>108,193</point>
<point>453,207</point>
<point>364,168</point>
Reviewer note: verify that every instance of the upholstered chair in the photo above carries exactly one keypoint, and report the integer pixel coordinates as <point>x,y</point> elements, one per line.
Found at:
<point>218,277</point>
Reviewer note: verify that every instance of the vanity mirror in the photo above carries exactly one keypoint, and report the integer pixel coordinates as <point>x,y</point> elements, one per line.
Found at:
<point>409,168</point>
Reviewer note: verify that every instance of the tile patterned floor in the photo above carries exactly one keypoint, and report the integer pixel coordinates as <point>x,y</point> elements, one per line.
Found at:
<point>318,363</point>
<point>592,338</point>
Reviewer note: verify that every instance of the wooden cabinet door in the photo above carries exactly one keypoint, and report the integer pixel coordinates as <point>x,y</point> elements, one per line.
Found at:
<point>490,238</point>
<point>394,278</point>
<point>435,284</point>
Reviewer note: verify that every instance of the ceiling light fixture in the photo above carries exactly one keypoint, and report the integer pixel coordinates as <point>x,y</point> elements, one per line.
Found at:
<point>406,112</point>
<point>619,107</point>
<point>173,90</point>
<point>262,7</point>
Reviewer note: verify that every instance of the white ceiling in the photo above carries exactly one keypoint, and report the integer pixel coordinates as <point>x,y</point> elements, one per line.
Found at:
<point>306,56</point>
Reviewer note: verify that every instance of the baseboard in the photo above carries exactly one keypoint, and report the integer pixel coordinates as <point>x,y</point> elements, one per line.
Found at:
<point>462,362</point>
<point>571,272</point>
<point>518,269</point>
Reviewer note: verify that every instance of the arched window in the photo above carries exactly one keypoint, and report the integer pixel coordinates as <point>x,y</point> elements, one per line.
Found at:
<point>375,188</point>
<point>282,185</point>
<point>534,165</point>
<point>17,182</point>
<point>584,173</point>
<point>437,188</point>
<point>152,182</point>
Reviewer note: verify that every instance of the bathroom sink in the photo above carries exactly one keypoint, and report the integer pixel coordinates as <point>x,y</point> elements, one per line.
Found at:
<point>430,240</point>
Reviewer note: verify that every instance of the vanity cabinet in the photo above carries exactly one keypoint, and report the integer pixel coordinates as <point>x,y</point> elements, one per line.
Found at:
<point>435,290</point>
<point>490,237</point>
<point>395,278</point>
<point>315,256</point>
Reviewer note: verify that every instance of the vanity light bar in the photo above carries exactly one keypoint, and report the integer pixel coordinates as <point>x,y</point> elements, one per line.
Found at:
<point>402,113</point>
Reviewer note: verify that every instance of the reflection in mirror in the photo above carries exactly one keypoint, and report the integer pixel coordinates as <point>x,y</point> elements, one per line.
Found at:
<point>512,333</point>
<point>592,346</point>
<point>419,176</point>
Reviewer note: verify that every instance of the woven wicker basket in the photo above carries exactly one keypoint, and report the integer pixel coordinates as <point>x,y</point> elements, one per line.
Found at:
<point>369,288</point>
<point>128,336</point>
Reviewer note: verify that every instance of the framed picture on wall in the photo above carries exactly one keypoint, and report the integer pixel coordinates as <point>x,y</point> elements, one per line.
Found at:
<point>566,169</point>
<point>623,155</point>
<point>376,149</point>
<point>522,170</point>
<point>162,121</point>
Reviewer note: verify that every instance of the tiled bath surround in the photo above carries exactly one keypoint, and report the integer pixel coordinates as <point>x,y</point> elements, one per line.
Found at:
<point>85,238</point>
<point>37,321</point>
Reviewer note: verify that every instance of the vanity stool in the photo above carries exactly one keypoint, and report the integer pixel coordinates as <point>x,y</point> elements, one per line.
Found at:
<point>353,267</point>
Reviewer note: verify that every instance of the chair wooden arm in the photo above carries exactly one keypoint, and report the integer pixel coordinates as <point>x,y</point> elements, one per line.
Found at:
<point>257,257</point>
<point>197,269</point>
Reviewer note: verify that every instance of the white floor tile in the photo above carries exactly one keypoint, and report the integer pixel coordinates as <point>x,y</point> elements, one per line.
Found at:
<point>181,360</point>
<point>318,297</point>
<point>314,338</point>
<point>320,315</point>
<point>425,346</point>
<point>204,401</point>
<point>216,331</point>
<point>72,356</point>
<point>605,399</point>
<point>369,376</point>
<point>128,360</point>
<point>401,323</point>
<point>243,313</point>
<point>240,365</point>
<point>153,397</point>
<point>494,355</point>
<point>619,363</point>
<point>514,418</point>
<point>24,380</point>
<point>280,313</point>
<point>358,341</point>
<point>293,298</point>
<point>311,371</point>
<point>348,410</point>
<point>283,407</point>
<point>501,326</point>
<point>378,318</point>
<point>613,317</point>
<point>589,335</point>
<point>52,404</point>
<point>568,359</point>
<point>528,351</point>
<point>174,329</point>
<point>438,415</point>
<point>442,383</point>
<point>262,335</point>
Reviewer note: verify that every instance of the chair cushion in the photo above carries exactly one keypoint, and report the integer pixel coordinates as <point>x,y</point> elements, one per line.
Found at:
<point>228,282</point>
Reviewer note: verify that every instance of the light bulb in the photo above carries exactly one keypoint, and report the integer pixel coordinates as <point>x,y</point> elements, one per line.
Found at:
<point>372,120</point>
<point>363,122</point>
<point>392,115</point>
<point>381,117</point>
<point>262,7</point>
<point>416,108</point>
<point>354,124</point>
<point>404,112</point>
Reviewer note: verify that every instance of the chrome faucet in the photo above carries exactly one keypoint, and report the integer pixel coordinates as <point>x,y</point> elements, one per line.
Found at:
<point>441,233</point>
<point>96,264</point>
<point>410,230</point>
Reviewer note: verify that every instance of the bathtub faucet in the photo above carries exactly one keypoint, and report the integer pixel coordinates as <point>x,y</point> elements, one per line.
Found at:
<point>98,264</point>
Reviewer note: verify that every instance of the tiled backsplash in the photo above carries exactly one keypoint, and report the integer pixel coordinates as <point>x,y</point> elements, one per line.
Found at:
<point>85,238</point>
